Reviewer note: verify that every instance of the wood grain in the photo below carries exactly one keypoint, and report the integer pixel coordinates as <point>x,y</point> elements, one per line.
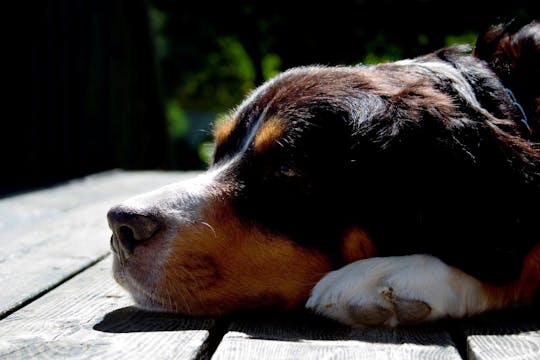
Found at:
<point>19,211</point>
<point>90,316</point>
<point>54,233</point>
<point>522,345</point>
<point>511,334</point>
<point>307,337</point>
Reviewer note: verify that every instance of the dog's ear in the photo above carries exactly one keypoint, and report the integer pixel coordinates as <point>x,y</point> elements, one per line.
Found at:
<point>512,50</point>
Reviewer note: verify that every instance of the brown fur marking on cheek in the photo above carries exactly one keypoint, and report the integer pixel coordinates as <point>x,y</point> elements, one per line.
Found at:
<point>223,130</point>
<point>199,272</point>
<point>225,265</point>
<point>356,245</point>
<point>524,289</point>
<point>269,132</point>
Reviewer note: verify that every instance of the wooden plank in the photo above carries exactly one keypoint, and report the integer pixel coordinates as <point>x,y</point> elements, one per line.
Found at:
<point>36,256</point>
<point>23,209</point>
<point>513,334</point>
<point>522,345</point>
<point>308,337</point>
<point>90,316</point>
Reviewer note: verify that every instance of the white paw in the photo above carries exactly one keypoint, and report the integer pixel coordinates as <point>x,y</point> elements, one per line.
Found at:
<point>388,291</point>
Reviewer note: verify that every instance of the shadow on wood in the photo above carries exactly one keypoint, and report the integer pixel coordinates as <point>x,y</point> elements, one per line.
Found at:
<point>305,326</point>
<point>131,319</point>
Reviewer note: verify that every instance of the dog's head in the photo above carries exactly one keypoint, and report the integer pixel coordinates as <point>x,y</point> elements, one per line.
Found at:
<point>258,228</point>
<point>310,172</point>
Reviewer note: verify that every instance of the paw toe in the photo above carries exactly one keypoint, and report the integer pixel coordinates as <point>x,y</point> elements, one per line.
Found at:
<point>410,311</point>
<point>389,310</point>
<point>368,314</point>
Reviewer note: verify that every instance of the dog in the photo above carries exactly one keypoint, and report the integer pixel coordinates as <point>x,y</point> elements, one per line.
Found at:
<point>378,195</point>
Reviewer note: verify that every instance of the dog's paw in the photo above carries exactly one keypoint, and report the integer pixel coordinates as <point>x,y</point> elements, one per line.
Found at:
<point>388,291</point>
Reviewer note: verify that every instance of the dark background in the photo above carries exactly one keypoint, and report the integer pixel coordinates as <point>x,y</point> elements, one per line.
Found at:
<point>137,84</point>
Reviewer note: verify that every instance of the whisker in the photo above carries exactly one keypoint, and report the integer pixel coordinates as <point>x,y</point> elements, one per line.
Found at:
<point>210,227</point>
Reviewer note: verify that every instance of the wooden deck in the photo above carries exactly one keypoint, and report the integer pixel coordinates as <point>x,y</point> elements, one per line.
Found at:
<point>58,299</point>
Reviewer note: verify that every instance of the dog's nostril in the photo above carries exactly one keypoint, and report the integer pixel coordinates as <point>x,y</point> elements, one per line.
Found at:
<point>130,227</point>
<point>126,238</point>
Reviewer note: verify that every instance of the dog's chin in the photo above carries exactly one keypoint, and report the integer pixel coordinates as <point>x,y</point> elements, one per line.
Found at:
<point>150,294</point>
<point>143,293</point>
<point>136,291</point>
<point>150,304</point>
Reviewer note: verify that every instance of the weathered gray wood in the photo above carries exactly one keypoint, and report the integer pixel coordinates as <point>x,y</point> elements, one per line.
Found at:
<point>504,335</point>
<point>307,337</point>
<point>521,345</point>
<point>32,207</point>
<point>90,316</point>
<point>48,247</point>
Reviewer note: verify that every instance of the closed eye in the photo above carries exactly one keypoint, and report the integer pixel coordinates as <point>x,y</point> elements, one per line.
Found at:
<point>287,171</point>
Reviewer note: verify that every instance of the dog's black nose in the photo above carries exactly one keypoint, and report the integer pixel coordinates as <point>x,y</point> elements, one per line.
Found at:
<point>131,228</point>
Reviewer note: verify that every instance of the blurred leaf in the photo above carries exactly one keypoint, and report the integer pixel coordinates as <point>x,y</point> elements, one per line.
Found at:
<point>271,64</point>
<point>223,80</point>
<point>423,39</point>
<point>158,21</point>
<point>177,121</point>
<point>379,50</point>
<point>468,37</point>
<point>206,149</point>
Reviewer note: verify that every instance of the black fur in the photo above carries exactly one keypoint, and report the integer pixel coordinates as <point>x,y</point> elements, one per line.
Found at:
<point>400,151</point>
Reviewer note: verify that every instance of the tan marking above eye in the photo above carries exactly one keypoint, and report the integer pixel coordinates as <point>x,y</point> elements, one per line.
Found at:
<point>223,129</point>
<point>271,130</point>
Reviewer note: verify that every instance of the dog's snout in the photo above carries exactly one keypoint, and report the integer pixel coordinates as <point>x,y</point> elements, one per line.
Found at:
<point>131,228</point>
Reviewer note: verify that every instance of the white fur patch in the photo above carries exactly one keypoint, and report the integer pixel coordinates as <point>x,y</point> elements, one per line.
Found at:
<point>392,290</point>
